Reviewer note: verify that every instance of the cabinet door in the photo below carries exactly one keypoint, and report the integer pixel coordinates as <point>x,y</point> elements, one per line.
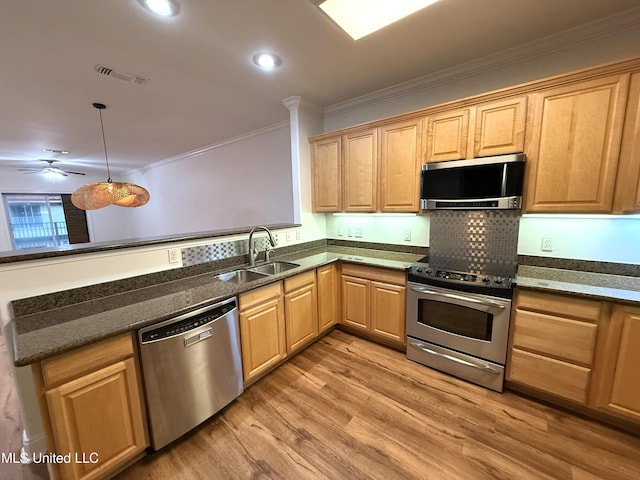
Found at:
<point>617,370</point>
<point>327,280</point>
<point>575,141</point>
<point>300,307</point>
<point>360,171</point>
<point>355,302</point>
<point>447,136</point>
<point>262,337</point>
<point>326,173</point>
<point>388,307</point>
<point>98,413</point>
<point>500,127</point>
<point>627,195</point>
<point>400,167</point>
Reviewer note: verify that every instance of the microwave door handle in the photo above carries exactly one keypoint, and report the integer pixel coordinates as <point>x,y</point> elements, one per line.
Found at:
<point>479,366</point>
<point>461,298</point>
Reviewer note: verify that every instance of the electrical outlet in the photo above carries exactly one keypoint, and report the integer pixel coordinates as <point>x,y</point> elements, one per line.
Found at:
<point>289,236</point>
<point>407,235</point>
<point>341,231</point>
<point>358,232</point>
<point>298,235</point>
<point>174,255</point>
<point>547,244</point>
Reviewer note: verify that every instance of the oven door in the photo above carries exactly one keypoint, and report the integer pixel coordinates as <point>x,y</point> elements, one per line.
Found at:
<point>474,324</point>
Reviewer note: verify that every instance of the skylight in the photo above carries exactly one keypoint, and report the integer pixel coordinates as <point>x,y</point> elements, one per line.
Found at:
<point>362,17</point>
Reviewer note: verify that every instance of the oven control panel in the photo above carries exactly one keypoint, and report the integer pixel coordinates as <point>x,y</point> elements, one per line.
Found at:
<point>424,271</point>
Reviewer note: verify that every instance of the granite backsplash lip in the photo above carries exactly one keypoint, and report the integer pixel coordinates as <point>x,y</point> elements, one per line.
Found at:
<point>40,335</point>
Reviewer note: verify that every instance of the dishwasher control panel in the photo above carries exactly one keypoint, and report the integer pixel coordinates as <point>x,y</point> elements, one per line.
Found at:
<point>191,321</point>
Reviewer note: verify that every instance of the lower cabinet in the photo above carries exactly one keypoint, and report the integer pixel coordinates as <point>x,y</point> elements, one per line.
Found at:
<point>262,329</point>
<point>553,342</point>
<point>374,301</point>
<point>579,349</point>
<point>327,281</point>
<point>300,310</point>
<point>616,386</point>
<point>92,408</point>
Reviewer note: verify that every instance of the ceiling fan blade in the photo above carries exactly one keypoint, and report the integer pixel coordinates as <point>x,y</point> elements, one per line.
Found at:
<point>73,173</point>
<point>31,171</point>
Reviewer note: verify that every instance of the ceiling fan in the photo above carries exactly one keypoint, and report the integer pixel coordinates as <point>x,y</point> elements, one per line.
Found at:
<point>50,171</point>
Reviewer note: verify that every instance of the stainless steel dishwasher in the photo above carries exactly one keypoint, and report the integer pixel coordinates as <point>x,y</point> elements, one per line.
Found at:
<point>191,368</point>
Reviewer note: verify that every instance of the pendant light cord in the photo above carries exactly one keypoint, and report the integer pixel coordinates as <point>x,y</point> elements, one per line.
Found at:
<point>104,143</point>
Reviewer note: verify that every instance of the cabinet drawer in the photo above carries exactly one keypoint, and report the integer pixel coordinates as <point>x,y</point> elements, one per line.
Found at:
<point>301,280</point>
<point>387,275</point>
<point>566,339</point>
<point>75,363</point>
<point>553,376</point>
<point>561,305</point>
<point>259,295</point>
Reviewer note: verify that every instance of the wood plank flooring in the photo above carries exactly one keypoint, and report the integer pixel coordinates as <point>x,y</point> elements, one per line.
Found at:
<point>346,408</point>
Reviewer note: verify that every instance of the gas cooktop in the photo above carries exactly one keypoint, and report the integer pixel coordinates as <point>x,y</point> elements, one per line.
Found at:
<point>422,272</point>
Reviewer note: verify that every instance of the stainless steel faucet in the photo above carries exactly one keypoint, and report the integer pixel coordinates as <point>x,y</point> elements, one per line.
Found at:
<point>253,252</point>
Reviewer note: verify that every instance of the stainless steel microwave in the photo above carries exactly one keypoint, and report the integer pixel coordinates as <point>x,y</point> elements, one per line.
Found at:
<point>486,183</point>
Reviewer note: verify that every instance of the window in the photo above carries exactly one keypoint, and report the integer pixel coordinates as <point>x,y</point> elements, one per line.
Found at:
<point>41,220</point>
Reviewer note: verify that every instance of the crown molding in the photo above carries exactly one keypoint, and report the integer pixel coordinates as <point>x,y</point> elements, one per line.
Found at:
<point>213,146</point>
<point>583,34</point>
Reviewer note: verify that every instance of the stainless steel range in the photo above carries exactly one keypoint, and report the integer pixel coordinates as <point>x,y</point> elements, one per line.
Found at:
<point>458,322</point>
<point>459,298</point>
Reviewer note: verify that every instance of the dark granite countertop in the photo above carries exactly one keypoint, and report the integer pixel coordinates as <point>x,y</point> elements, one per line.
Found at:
<point>43,334</point>
<point>600,285</point>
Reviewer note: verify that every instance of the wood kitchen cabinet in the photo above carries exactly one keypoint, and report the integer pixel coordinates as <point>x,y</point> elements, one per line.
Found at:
<point>627,192</point>
<point>326,174</point>
<point>328,301</point>
<point>616,386</point>
<point>572,155</point>
<point>400,145</point>
<point>301,310</point>
<point>553,342</point>
<point>491,128</point>
<point>447,136</point>
<point>262,329</point>
<point>360,159</point>
<point>374,302</point>
<point>93,408</point>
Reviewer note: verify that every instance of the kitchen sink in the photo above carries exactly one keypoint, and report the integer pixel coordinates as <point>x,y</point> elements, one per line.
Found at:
<point>273,268</point>
<point>240,276</point>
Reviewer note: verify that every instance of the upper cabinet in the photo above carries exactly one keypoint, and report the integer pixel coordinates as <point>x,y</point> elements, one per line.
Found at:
<point>400,166</point>
<point>326,174</point>
<point>369,170</point>
<point>360,158</point>
<point>446,136</point>
<point>499,127</point>
<point>627,194</point>
<point>492,128</point>
<point>579,131</point>
<point>573,153</point>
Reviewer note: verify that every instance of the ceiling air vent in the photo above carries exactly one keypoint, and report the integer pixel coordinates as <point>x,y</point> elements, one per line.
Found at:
<point>120,75</point>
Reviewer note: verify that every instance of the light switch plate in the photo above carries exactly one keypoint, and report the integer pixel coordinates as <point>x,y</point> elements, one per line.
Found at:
<point>547,244</point>
<point>174,255</point>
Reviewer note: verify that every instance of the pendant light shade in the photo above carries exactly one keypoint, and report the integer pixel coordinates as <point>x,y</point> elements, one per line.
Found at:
<point>98,195</point>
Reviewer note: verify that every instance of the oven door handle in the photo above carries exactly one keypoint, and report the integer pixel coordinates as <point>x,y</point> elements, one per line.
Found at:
<point>480,366</point>
<point>462,298</point>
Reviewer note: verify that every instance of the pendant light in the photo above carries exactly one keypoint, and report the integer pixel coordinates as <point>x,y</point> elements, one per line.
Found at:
<point>98,195</point>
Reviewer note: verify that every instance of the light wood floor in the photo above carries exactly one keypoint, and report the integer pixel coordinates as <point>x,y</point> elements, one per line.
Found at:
<point>346,408</point>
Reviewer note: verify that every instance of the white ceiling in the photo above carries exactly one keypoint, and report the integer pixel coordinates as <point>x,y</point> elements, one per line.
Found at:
<point>202,85</point>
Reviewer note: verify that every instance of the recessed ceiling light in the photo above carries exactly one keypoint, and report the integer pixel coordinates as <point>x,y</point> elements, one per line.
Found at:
<point>267,61</point>
<point>362,17</point>
<point>164,8</point>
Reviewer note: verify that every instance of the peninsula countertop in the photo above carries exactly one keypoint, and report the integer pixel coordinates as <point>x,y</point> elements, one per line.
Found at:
<point>47,333</point>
